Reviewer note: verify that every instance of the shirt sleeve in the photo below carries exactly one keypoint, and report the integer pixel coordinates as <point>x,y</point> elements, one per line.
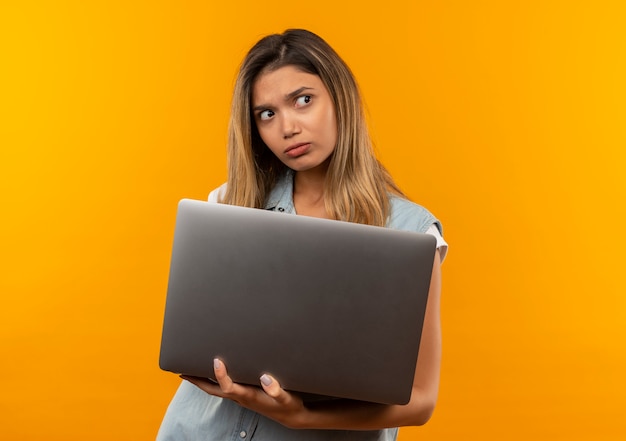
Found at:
<point>216,194</point>
<point>442,245</point>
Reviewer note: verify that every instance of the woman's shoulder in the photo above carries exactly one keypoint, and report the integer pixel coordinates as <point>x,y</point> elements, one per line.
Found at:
<point>281,190</point>
<point>218,193</point>
<point>407,215</point>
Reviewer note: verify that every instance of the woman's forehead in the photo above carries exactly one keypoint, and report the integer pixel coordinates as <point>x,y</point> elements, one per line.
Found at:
<point>279,83</point>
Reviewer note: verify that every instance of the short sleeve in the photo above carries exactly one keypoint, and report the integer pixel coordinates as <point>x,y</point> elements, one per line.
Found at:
<point>442,245</point>
<point>217,194</point>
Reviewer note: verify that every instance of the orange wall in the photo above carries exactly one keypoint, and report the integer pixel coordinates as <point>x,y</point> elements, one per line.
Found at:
<point>506,119</point>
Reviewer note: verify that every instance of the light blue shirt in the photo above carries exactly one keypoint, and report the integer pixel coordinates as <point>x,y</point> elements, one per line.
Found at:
<point>194,415</point>
<point>404,215</point>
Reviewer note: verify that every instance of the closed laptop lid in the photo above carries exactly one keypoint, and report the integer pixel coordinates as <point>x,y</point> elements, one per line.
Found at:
<point>327,307</point>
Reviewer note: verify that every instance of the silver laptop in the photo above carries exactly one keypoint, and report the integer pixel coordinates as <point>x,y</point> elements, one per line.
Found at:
<point>328,308</point>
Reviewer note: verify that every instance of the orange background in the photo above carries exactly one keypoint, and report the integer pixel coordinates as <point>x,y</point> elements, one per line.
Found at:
<point>506,119</point>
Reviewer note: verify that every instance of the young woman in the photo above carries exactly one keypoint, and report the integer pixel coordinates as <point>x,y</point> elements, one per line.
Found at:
<point>298,143</point>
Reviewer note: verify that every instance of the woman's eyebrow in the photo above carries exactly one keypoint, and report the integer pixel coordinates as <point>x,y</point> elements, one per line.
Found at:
<point>288,97</point>
<point>296,92</point>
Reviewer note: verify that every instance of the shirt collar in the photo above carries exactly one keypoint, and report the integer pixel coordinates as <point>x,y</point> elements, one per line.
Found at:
<point>281,196</point>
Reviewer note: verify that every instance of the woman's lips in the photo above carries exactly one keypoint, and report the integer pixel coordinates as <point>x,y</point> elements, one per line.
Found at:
<point>297,149</point>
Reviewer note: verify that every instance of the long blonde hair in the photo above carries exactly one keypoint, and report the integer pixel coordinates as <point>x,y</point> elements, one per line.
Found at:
<point>357,186</point>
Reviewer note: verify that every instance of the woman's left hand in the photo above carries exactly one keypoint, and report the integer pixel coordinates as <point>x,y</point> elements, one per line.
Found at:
<point>270,400</point>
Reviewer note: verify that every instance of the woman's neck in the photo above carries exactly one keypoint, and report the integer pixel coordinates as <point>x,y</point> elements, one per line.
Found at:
<point>308,193</point>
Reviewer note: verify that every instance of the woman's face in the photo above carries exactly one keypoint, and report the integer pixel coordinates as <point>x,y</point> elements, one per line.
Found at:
<point>295,116</point>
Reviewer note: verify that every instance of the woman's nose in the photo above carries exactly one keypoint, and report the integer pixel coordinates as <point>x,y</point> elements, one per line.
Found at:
<point>290,126</point>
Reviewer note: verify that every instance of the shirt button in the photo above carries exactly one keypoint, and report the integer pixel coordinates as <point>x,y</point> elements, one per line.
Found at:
<point>242,434</point>
<point>281,209</point>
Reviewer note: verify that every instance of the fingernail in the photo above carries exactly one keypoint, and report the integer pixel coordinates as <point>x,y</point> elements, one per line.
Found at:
<point>266,380</point>
<point>217,363</point>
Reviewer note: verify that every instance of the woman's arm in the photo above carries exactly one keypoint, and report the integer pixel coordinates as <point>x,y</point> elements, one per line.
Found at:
<point>289,410</point>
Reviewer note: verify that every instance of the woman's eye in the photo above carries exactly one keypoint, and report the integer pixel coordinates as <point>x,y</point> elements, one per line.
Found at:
<point>303,100</point>
<point>266,114</point>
